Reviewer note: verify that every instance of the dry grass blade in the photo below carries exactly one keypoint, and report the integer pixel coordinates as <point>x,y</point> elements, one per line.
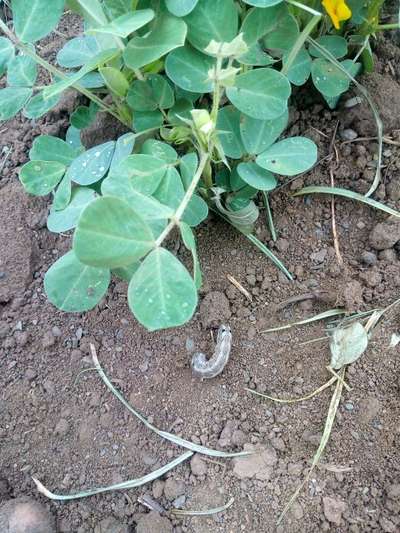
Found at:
<point>295,400</point>
<point>315,189</point>
<point>119,486</point>
<point>239,287</point>
<point>316,318</point>
<point>324,441</point>
<point>210,512</point>
<point>164,434</point>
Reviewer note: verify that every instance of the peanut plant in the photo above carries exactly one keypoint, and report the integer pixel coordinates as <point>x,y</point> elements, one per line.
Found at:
<point>203,88</point>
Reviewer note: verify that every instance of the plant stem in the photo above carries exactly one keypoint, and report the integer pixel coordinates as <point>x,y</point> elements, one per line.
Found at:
<point>299,43</point>
<point>217,91</point>
<point>54,70</point>
<point>186,199</point>
<point>383,27</point>
<point>270,219</point>
<point>304,7</point>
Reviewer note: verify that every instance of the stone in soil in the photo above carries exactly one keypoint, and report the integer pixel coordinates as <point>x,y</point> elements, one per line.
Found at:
<point>24,515</point>
<point>173,488</point>
<point>259,465</point>
<point>384,235</point>
<point>154,523</point>
<point>198,466</point>
<point>334,509</point>
<point>111,525</point>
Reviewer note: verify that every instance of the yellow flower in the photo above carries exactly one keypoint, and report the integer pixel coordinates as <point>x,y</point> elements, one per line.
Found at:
<point>338,11</point>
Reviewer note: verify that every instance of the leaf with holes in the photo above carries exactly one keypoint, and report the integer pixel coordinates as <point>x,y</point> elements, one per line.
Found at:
<point>289,157</point>
<point>162,294</point>
<point>74,287</point>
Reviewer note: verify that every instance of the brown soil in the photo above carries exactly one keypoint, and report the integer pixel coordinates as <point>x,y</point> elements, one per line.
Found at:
<point>65,428</point>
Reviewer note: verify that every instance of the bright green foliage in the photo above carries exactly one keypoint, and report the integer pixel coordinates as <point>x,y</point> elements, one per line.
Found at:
<point>73,286</point>
<point>205,87</point>
<point>161,292</point>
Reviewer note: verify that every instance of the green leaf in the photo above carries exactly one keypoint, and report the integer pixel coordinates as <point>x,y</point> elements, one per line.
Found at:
<point>38,106</point>
<point>347,345</point>
<point>260,22</point>
<point>48,148</point>
<point>334,44</point>
<point>62,196</point>
<point>180,8</point>
<point>290,156</point>
<point>257,177</point>
<point>12,100</point>
<point>228,126</point>
<point>117,7</point>
<point>111,234</point>
<point>115,80</point>
<point>91,10</point>
<point>92,165</point>
<point>171,191</point>
<point>284,35</point>
<point>168,33</point>
<point>162,293</point>
<point>73,139</point>
<point>258,135</point>
<point>125,24</point>
<point>188,166</point>
<point>148,207</point>
<point>83,116</point>
<point>41,177</point>
<point>140,96</point>
<point>162,91</point>
<point>160,150</point>
<point>181,110</point>
<point>211,20</point>
<point>196,211</point>
<point>96,61</point>
<point>59,221</point>
<point>147,120</point>
<point>126,273</point>
<point>74,287</point>
<point>123,148</point>
<point>35,19</point>
<point>78,51</point>
<point>262,3</point>
<point>189,69</point>
<point>7,52</point>
<point>300,70</point>
<point>328,78</point>
<point>21,71</point>
<point>262,93</point>
<point>189,241</point>
<point>145,172</point>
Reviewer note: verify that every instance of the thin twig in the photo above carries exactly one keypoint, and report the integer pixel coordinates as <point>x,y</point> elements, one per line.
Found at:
<point>334,229</point>
<point>239,287</point>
